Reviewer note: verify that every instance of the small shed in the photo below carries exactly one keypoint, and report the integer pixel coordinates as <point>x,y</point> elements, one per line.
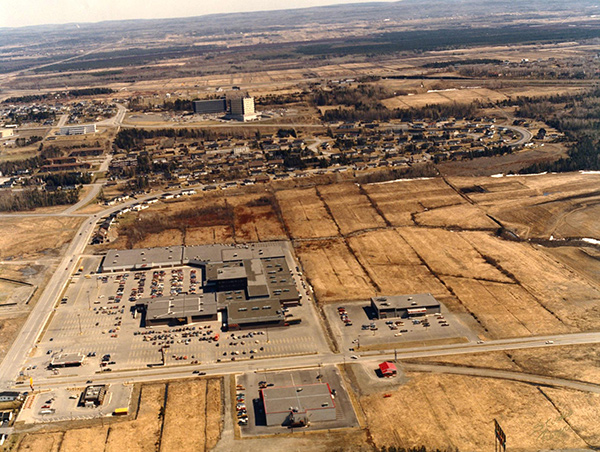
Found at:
<point>388,369</point>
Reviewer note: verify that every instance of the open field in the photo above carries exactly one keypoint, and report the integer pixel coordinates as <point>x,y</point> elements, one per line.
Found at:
<point>559,289</point>
<point>333,271</point>
<point>461,216</point>
<point>563,205</point>
<point>305,214</point>
<point>255,219</point>
<point>393,265</point>
<point>34,238</point>
<point>209,235</point>
<point>448,253</point>
<point>192,421</point>
<point>584,260</point>
<point>196,403</point>
<point>351,209</point>
<point>399,200</point>
<point>442,411</point>
<point>142,433</point>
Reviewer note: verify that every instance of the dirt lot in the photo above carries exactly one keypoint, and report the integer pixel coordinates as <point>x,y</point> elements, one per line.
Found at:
<point>333,271</point>
<point>31,238</point>
<point>351,209</point>
<point>305,214</point>
<point>195,401</point>
<point>441,411</point>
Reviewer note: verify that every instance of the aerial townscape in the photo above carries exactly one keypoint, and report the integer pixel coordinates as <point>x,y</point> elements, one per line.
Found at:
<point>365,227</point>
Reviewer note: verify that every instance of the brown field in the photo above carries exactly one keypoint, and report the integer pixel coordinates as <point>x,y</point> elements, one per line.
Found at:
<point>195,403</point>
<point>400,200</point>
<point>41,442</point>
<point>334,272</point>
<point>31,237</point>
<point>450,411</point>
<point>84,439</point>
<point>448,253</point>
<point>451,95</point>
<point>559,289</point>
<point>393,265</point>
<point>583,260</point>
<point>209,235</point>
<point>305,214</point>
<point>255,223</point>
<point>563,205</point>
<point>142,433</point>
<point>166,238</point>
<point>505,310</point>
<point>462,216</point>
<point>351,210</point>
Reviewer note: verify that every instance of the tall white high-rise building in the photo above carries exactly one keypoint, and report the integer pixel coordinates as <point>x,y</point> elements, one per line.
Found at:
<point>242,108</point>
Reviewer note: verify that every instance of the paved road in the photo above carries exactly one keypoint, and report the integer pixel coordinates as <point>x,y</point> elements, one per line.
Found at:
<point>295,362</point>
<point>504,375</point>
<point>93,193</point>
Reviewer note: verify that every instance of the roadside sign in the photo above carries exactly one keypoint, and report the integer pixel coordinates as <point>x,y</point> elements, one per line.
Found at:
<point>500,436</point>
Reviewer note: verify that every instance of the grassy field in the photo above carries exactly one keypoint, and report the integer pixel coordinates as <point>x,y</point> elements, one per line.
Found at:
<point>31,239</point>
<point>351,209</point>
<point>334,272</point>
<point>305,215</point>
<point>449,411</point>
<point>192,421</point>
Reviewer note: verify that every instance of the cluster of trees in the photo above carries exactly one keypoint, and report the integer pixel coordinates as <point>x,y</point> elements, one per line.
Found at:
<point>360,97</point>
<point>12,167</point>
<point>66,179</point>
<point>129,139</point>
<point>380,113</point>
<point>411,172</point>
<point>74,93</point>
<point>575,115</point>
<point>179,105</point>
<point>30,199</point>
<point>22,142</point>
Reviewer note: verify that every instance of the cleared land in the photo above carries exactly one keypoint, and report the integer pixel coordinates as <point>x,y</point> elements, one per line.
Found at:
<point>351,209</point>
<point>334,272</point>
<point>462,216</point>
<point>32,237</point>
<point>255,219</point>
<point>305,215</point>
<point>449,411</point>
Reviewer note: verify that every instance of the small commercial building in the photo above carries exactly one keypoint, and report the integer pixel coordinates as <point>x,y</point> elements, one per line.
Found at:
<point>82,129</point>
<point>67,360</point>
<point>398,306</point>
<point>9,396</point>
<point>93,396</point>
<point>298,405</point>
<point>388,369</point>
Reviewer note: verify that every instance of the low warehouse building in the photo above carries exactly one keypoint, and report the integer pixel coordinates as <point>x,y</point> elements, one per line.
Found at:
<point>298,406</point>
<point>67,360</point>
<point>179,309</point>
<point>405,305</point>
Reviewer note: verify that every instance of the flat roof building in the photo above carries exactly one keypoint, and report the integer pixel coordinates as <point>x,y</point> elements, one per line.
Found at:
<point>298,405</point>
<point>67,360</point>
<point>179,309</point>
<point>92,396</point>
<point>210,106</point>
<point>404,305</point>
<point>251,313</point>
<point>78,129</point>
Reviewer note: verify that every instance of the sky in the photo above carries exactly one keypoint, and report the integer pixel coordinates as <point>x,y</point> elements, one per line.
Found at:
<point>19,13</point>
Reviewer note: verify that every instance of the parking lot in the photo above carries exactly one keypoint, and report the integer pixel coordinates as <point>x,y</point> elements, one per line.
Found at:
<point>248,397</point>
<point>363,332</point>
<point>61,404</point>
<point>94,317</point>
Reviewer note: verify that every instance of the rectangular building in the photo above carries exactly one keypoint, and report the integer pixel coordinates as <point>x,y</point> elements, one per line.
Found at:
<point>396,306</point>
<point>210,106</point>
<point>78,129</point>
<point>179,309</point>
<point>253,313</point>
<point>298,405</point>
